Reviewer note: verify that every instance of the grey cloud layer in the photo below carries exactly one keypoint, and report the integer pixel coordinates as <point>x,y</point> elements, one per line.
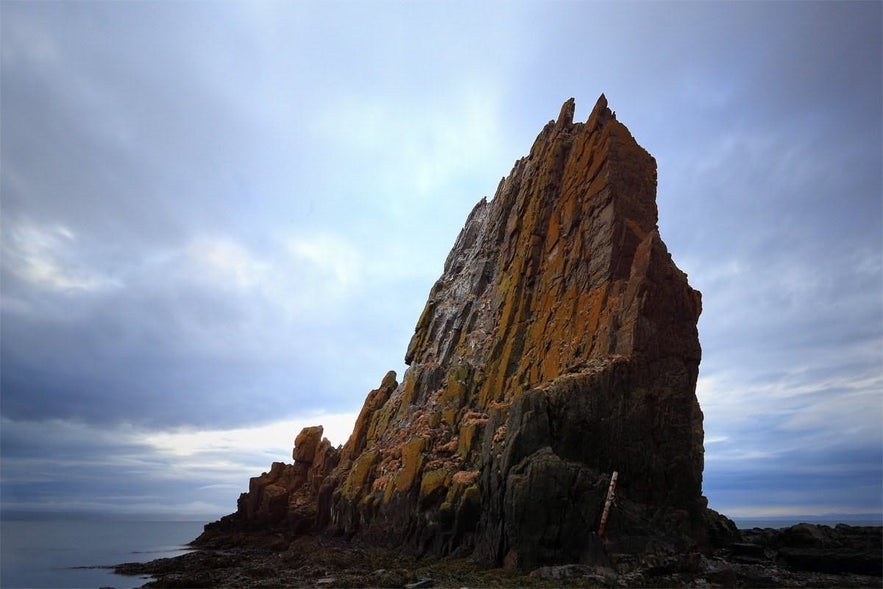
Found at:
<point>214,214</point>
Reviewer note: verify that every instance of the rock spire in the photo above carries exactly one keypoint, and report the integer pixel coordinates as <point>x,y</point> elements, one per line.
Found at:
<point>558,345</point>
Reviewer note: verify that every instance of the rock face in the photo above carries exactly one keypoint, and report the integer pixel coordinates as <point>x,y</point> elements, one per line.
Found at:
<point>287,494</point>
<point>558,346</point>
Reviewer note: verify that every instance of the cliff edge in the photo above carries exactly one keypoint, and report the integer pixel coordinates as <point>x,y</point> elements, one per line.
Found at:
<point>559,346</point>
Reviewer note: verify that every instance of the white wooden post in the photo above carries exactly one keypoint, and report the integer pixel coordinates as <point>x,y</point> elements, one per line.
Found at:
<point>611,491</point>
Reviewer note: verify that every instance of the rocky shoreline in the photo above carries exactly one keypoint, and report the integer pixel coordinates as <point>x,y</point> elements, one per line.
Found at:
<point>805,555</point>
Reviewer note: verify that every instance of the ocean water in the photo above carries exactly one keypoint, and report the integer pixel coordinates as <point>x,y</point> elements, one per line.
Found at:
<point>57,553</point>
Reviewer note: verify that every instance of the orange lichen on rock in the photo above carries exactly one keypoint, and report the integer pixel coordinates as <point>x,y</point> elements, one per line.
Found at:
<point>558,345</point>
<point>412,461</point>
<point>358,475</point>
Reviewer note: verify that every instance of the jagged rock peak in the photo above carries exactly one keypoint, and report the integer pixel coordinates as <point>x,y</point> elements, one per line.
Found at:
<point>567,221</point>
<point>565,117</point>
<point>559,345</point>
<point>600,113</point>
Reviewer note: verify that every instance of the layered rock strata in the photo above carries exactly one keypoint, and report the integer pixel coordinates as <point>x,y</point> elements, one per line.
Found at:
<point>558,346</point>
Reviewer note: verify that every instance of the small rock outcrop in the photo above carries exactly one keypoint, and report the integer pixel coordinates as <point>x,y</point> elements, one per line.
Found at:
<point>286,496</point>
<point>558,346</point>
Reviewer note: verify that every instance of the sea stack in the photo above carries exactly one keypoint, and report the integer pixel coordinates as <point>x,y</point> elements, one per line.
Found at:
<point>559,346</point>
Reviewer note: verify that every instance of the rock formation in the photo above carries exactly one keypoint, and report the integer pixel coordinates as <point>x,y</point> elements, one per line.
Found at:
<point>558,346</point>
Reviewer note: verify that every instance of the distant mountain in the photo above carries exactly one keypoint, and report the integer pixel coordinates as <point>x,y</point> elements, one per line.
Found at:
<point>781,521</point>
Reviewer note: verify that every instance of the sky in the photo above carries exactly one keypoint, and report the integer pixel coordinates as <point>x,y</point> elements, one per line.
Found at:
<point>220,221</point>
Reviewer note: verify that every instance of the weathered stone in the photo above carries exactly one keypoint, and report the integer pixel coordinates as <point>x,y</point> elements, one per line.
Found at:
<point>365,428</point>
<point>844,549</point>
<point>325,460</point>
<point>306,443</point>
<point>559,345</point>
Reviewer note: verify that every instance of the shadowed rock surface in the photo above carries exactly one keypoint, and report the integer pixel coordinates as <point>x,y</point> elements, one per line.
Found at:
<point>558,346</point>
<point>844,556</point>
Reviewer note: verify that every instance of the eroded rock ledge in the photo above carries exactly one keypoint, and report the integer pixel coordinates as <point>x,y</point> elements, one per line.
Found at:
<point>800,556</point>
<point>558,346</point>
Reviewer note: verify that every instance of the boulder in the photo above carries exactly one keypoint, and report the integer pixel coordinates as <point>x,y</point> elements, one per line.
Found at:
<point>306,443</point>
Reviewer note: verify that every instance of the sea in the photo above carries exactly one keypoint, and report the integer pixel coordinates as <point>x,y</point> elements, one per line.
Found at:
<point>70,553</point>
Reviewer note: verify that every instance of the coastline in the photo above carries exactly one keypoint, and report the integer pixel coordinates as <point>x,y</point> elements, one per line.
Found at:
<point>830,520</point>
<point>801,555</point>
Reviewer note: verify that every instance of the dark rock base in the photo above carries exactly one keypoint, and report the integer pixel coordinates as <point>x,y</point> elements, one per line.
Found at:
<point>801,556</point>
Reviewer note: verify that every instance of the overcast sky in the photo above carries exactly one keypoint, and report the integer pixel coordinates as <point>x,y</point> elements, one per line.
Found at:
<point>220,222</point>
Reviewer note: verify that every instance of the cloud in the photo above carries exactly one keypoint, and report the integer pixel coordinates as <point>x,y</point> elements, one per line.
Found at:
<point>276,437</point>
<point>796,444</point>
<point>326,271</point>
<point>46,258</point>
<point>69,465</point>
<point>419,149</point>
<point>786,214</point>
<point>798,483</point>
<point>202,226</point>
<point>214,324</point>
<point>225,263</point>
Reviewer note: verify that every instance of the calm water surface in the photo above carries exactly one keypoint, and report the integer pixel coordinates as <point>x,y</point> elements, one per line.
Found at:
<point>43,553</point>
